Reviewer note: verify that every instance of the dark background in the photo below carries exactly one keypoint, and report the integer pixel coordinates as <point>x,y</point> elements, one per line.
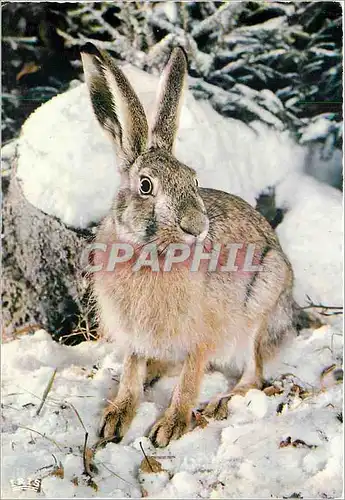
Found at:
<point>300,62</point>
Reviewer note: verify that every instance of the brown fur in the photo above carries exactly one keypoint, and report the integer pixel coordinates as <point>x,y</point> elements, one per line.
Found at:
<point>197,318</point>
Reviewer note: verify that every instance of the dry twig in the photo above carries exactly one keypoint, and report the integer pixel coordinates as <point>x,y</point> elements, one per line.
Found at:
<point>46,392</point>
<point>324,309</point>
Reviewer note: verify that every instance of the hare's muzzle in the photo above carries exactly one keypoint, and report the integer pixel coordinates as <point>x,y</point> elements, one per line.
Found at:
<point>195,224</point>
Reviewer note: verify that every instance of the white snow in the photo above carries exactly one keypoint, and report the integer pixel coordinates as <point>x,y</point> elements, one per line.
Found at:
<point>240,457</point>
<point>325,164</point>
<point>311,234</point>
<point>317,128</point>
<point>7,154</point>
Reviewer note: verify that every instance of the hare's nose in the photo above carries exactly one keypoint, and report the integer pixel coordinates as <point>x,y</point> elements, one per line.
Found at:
<point>195,224</point>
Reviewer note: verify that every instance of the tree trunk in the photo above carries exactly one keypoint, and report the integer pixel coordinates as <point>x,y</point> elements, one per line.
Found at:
<point>42,279</point>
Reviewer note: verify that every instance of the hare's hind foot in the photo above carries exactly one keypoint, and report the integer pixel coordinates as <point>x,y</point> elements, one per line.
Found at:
<point>218,407</point>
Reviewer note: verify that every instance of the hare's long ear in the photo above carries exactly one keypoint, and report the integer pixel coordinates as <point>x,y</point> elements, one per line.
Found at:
<point>115,104</point>
<point>165,124</point>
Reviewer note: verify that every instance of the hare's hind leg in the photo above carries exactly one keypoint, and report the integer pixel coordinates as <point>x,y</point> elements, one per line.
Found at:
<point>252,378</point>
<point>119,414</point>
<point>269,315</point>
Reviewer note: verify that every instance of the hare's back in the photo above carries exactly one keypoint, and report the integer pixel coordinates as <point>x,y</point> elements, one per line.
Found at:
<point>232,219</point>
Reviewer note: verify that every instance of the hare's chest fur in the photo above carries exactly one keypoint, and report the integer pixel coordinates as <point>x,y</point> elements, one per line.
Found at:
<point>154,314</point>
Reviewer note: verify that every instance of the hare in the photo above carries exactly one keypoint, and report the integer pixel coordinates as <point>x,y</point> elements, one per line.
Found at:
<point>199,317</point>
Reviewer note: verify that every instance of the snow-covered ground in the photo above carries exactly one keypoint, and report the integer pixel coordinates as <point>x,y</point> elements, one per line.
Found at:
<point>255,453</point>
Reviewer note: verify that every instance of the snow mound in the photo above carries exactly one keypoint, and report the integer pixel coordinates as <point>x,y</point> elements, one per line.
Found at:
<point>311,235</point>
<point>255,453</point>
<point>67,166</point>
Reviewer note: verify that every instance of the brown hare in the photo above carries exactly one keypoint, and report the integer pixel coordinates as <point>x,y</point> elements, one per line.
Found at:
<point>200,317</point>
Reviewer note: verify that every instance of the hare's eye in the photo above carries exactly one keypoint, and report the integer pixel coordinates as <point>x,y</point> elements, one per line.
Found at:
<point>146,186</point>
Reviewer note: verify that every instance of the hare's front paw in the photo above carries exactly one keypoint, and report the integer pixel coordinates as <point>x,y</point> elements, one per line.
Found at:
<point>217,409</point>
<point>116,420</point>
<point>171,426</point>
